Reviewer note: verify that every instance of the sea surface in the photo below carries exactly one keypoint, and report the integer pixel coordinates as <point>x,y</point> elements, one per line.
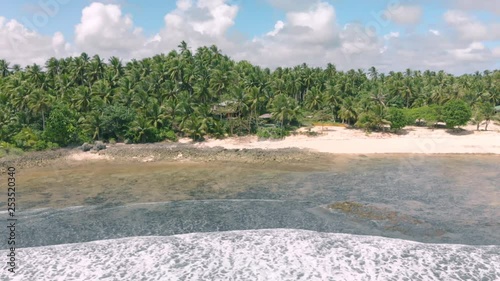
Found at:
<point>362,218</point>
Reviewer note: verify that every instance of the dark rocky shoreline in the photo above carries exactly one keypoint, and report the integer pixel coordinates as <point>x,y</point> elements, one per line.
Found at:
<point>164,152</point>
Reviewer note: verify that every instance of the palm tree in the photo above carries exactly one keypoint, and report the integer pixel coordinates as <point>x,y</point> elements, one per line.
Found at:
<point>115,70</point>
<point>347,111</point>
<point>284,109</point>
<point>96,69</point>
<point>102,90</point>
<point>4,68</point>
<point>373,73</point>
<point>82,99</point>
<point>39,103</point>
<point>314,99</point>
<point>177,91</point>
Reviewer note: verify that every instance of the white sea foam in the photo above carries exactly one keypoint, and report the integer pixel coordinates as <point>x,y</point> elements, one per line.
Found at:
<point>279,254</point>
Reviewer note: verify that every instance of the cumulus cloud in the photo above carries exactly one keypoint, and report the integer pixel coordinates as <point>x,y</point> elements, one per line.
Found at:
<point>391,35</point>
<point>355,40</point>
<point>309,32</point>
<point>474,52</point>
<point>496,52</point>
<point>436,53</point>
<point>471,29</point>
<point>220,17</point>
<point>491,6</point>
<point>293,5</point>
<point>199,23</point>
<point>277,27</point>
<point>104,30</point>
<point>184,5</point>
<point>435,32</point>
<point>315,25</point>
<point>311,35</point>
<point>21,46</point>
<point>401,14</point>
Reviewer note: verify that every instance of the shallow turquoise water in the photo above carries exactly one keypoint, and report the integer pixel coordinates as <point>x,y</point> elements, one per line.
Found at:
<point>445,199</point>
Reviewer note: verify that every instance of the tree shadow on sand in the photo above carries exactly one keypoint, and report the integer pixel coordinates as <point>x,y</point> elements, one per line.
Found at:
<point>403,132</point>
<point>459,132</point>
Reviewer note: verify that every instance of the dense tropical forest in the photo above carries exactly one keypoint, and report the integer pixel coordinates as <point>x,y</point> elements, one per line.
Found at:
<point>184,94</point>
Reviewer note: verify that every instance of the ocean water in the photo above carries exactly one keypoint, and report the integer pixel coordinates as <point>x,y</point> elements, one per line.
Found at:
<point>278,254</point>
<point>371,218</point>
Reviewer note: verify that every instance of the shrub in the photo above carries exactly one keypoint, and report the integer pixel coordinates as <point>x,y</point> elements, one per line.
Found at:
<point>27,139</point>
<point>397,118</point>
<point>51,145</point>
<point>272,133</point>
<point>61,126</point>
<point>429,115</point>
<point>43,145</point>
<point>115,121</point>
<point>168,135</point>
<point>263,133</point>
<point>7,149</point>
<point>456,113</point>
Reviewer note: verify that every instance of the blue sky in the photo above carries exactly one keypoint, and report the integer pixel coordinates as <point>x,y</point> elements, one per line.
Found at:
<point>452,35</point>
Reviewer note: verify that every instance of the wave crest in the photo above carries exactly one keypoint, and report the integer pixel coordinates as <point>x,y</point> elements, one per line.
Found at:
<point>278,254</point>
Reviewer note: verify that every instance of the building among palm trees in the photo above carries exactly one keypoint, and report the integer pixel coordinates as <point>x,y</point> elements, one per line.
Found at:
<point>226,110</point>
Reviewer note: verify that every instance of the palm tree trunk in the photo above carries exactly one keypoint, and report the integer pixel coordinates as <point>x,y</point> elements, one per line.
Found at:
<point>43,120</point>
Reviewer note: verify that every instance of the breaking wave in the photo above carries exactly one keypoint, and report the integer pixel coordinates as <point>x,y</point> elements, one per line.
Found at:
<point>278,254</point>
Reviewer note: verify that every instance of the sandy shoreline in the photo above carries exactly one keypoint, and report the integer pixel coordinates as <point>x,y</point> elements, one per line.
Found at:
<point>298,148</point>
<point>414,140</point>
<point>220,168</point>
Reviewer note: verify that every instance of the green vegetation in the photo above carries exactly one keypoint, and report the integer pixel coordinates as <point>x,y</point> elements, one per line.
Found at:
<point>397,118</point>
<point>456,113</point>
<point>272,133</point>
<point>483,112</point>
<point>428,115</point>
<point>184,94</point>
<point>7,149</point>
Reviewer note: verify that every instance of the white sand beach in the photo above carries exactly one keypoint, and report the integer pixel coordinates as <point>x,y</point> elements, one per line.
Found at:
<point>341,140</point>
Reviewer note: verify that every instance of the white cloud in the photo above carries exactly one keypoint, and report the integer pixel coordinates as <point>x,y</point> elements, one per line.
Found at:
<point>205,22</point>
<point>391,35</point>
<point>496,52</point>
<point>221,17</point>
<point>435,32</point>
<point>277,27</point>
<point>315,25</point>
<point>104,30</point>
<point>469,28</point>
<point>404,14</point>
<point>456,17</point>
<point>21,46</point>
<point>474,52</point>
<point>293,5</point>
<point>436,53</point>
<point>491,6</point>
<point>309,33</point>
<point>184,5</point>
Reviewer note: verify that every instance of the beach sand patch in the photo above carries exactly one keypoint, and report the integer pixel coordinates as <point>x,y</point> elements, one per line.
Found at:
<point>85,156</point>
